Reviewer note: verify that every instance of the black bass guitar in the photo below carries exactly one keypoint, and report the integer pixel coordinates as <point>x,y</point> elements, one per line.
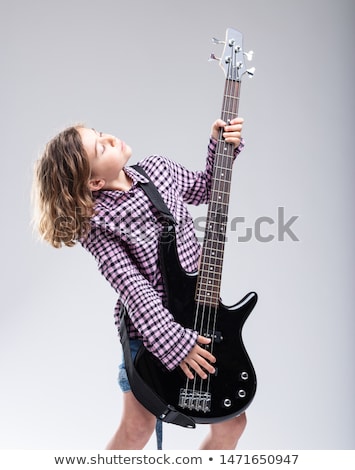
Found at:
<point>194,299</point>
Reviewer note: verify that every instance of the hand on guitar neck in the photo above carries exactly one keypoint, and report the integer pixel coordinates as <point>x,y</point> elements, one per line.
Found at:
<point>232,131</point>
<point>199,360</point>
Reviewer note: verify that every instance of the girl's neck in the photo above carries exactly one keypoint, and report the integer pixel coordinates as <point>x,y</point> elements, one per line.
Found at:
<point>122,183</point>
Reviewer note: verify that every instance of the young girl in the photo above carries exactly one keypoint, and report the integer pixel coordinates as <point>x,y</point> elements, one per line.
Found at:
<point>85,193</point>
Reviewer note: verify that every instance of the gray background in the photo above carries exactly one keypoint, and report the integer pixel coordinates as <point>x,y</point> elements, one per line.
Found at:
<point>139,69</point>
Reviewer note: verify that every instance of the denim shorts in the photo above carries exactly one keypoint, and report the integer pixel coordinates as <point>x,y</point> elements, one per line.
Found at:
<point>123,382</point>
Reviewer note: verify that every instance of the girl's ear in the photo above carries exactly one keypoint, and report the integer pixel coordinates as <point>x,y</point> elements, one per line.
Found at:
<point>96,184</point>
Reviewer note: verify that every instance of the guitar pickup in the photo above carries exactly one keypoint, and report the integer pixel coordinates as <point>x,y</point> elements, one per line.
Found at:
<point>215,336</point>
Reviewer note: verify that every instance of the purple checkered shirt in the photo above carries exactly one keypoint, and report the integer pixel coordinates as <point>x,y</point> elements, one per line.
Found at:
<point>124,241</point>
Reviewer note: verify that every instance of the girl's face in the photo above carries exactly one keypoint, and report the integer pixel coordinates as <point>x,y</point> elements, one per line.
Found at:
<point>107,157</point>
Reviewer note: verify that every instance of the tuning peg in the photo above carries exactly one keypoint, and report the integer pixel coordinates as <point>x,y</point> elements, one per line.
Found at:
<point>250,71</point>
<point>217,41</point>
<point>249,55</point>
<point>213,57</point>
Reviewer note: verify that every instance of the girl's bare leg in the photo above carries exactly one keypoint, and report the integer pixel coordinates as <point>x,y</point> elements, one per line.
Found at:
<point>136,427</point>
<point>225,435</point>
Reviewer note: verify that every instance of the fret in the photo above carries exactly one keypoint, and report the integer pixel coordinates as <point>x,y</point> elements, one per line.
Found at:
<point>205,281</point>
<point>220,208</point>
<point>222,202</point>
<point>218,201</point>
<point>220,164</point>
<point>225,151</point>
<point>224,165</point>
<point>218,193</point>
<point>211,297</point>
<point>231,96</point>
<point>228,115</point>
<point>219,214</point>
<point>212,267</point>
<point>221,190</point>
<point>210,257</point>
<point>220,186</point>
<point>214,252</point>
<point>223,175</point>
<point>214,248</point>
<point>209,283</point>
<point>217,219</point>
<point>206,270</point>
<point>216,237</point>
<point>207,287</point>
<point>216,224</point>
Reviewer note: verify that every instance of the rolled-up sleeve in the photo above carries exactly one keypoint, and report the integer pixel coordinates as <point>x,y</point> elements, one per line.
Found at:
<point>169,341</point>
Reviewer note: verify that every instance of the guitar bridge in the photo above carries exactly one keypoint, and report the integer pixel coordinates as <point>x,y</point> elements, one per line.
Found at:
<point>195,400</point>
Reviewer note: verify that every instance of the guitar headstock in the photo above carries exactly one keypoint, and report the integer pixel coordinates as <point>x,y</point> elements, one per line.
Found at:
<point>233,57</point>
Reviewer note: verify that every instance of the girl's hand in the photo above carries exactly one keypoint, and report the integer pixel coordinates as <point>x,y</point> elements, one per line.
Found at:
<point>232,131</point>
<point>199,360</point>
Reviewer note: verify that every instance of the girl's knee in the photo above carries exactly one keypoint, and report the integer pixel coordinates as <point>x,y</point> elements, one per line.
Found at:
<point>237,425</point>
<point>230,431</point>
<point>137,433</point>
<point>145,426</point>
<point>137,423</point>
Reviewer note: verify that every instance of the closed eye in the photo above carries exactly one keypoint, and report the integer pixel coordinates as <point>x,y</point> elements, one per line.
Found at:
<point>102,145</point>
<point>103,148</point>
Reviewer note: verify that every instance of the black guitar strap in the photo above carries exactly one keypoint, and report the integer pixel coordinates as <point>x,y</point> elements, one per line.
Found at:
<point>144,394</point>
<point>154,195</point>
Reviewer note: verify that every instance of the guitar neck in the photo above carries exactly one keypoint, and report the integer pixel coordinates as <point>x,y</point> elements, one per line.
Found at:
<point>210,272</point>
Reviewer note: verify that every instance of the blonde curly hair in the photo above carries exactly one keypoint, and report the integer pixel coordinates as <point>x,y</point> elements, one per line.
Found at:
<point>63,202</point>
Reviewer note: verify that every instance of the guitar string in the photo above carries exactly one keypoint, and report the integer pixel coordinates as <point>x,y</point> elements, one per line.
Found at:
<point>222,159</point>
<point>201,323</point>
<point>216,236</point>
<point>220,186</point>
<point>230,110</point>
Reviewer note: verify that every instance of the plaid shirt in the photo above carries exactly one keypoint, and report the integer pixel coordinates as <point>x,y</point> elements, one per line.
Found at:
<point>124,241</point>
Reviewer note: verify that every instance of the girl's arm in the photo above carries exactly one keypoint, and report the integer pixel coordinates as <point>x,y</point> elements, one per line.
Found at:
<point>195,185</point>
<point>162,335</point>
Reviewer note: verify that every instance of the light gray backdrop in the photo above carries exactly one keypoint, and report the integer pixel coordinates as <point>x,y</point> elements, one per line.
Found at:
<point>139,69</point>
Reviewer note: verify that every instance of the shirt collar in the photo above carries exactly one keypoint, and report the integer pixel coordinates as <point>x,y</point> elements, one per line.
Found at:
<point>136,177</point>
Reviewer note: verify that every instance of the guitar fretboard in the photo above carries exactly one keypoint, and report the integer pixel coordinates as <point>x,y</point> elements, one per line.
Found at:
<point>210,273</point>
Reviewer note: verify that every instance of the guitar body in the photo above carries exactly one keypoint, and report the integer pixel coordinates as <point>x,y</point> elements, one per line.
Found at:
<point>233,387</point>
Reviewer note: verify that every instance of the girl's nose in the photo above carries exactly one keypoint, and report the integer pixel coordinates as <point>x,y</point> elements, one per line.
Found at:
<point>110,139</point>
